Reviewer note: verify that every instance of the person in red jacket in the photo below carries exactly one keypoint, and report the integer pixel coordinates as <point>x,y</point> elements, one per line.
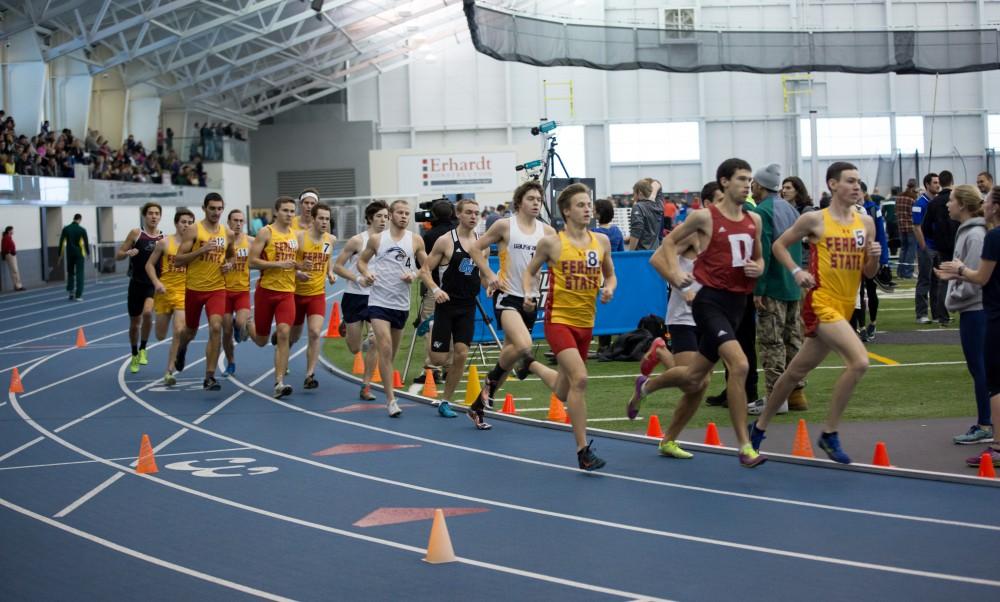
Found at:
<point>9,251</point>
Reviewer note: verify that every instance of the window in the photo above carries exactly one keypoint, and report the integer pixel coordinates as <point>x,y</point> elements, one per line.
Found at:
<point>678,23</point>
<point>654,142</point>
<point>573,151</point>
<point>993,126</point>
<point>862,136</point>
<point>910,134</point>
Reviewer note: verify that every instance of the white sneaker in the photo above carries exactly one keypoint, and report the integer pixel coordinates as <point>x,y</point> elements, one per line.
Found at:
<point>756,408</point>
<point>394,410</point>
<point>923,320</point>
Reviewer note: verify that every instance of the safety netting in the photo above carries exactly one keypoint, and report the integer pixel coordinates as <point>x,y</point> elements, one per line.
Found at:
<point>510,37</point>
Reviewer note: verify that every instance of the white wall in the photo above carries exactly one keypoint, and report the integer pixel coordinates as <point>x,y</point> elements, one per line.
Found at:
<point>126,218</point>
<point>27,226</point>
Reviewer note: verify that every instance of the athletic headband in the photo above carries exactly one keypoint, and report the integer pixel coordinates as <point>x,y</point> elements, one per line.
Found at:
<point>312,194</point>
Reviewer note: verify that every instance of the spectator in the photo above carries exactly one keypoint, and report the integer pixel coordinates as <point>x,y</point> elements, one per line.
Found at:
<point>605,211</point>
<point>645,223</point>
<point>170,139</point>
<point>927,282</point>
<point>669,214</point>
<point>9,252</point>
<point>940,229</point>
<point>904,221</point>
<point>984,181</point>
<point>493,216</point>
<point>73,245</point>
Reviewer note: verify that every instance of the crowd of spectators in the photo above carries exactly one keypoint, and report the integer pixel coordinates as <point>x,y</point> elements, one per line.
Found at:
<point>209,137</point>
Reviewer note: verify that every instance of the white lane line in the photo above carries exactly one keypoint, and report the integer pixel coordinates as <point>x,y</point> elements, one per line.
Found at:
<point>50,310</point>
<point>83,498</point>
<point>48,294</point>
<point>62,317</point>
<point>58,464</point>
<point>141,556</point>
<point>58,332</point>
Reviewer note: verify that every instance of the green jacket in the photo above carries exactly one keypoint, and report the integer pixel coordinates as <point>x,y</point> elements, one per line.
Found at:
<point>74,241</point>
<point>776,282</point>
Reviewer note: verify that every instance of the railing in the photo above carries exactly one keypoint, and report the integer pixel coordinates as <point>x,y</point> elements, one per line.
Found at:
<point>211,148</point>
<point>36,190</point>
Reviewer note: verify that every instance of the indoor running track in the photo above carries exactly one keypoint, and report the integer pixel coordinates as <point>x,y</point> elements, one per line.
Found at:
<point>280,499</point>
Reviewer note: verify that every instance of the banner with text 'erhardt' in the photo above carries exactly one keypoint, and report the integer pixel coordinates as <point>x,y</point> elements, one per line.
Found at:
<point>457,173</point>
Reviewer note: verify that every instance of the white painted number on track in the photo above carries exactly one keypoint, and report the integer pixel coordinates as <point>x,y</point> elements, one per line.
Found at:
<point>234,467</point>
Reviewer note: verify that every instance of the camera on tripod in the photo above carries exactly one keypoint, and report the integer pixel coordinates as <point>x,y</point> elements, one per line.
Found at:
<point>426,213</point>
<point>543,128</point>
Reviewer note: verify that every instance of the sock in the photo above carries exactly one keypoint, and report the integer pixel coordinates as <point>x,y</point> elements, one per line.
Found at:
<point>142,343</point>
<point>496,373</point>
<point>135,350</point>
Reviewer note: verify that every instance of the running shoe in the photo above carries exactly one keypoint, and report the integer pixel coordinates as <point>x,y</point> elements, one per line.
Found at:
<point>975,434</point>
<point>672,450</point>
<point>133,366</point>
<point>523,368</point>
<point>749,458</point>
<point>632,409</point>
<point>179,359</point>
<point>587,459</point>
<point>282,390</point>
<point>393,409</point>
<point>143,358</point>
<point>830,443</point>
<point>310,382</point>
<point>479,419</point>
<point>240,334</point>
<point>651,359</point>
<point>757,436</point>
<point>78,298</point>
<point>230,369</point>
<point>718,401</point>
<point>169,379</point>
<point>210,384</point>
<point>992,451</point>
<point>923,320</point>
<point>870,331</point>
<point>445,411</point>
<point>366,393</point>
<point>71,296</point>
<point>756,407</point>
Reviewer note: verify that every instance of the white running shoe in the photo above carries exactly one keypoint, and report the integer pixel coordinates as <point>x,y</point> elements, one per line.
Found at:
<point>394,410</point>
<point>756,408</point>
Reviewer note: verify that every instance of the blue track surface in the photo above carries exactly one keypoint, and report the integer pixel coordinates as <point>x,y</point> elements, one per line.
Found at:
<point>267,517</point>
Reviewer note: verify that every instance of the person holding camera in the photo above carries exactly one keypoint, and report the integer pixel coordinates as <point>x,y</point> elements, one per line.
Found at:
<point>442,214</point>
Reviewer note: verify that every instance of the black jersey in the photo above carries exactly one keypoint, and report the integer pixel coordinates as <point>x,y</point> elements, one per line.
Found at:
<point>146,244</point>
<point>460,278</point>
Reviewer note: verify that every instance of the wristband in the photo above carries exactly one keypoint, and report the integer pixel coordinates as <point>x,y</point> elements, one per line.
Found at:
<point>436,291</point>
<point>796,270</point>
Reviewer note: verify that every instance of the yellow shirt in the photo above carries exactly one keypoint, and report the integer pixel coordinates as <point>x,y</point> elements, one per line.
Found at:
<point>297,224</point>
<point>319,253</point>
<point>281,247</point>
<point>238,278</point>
<point>838,258</point>
<point>205,272</point>
<point>574,280</point>
<point>173,276</point>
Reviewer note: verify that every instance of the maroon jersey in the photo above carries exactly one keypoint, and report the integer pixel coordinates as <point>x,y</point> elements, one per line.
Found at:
<point>720,266</point>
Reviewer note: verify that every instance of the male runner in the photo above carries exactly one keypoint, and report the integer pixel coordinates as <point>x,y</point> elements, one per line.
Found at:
<point>392,254</point>
<point>206,251</point>
<point>579,260</point>
<point>727,270</point>
<point>137,247</point>
<point>169,283</point>
<point>307,200</point>
<point>315,249</point>
<point>234,320</point>
<point>461,263</point>
<point>273,253</point>
<point>354,303</point>
<point>843,248</point>
<point>516,238</point>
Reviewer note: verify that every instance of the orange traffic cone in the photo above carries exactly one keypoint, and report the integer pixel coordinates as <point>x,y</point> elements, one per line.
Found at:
<point>81,341</point>
<point>473,388</point>
<point>359,364</point>
<point>508,405</point>
<point>653,429</point>
<point>986,469</point>
<point>557,412</point>
<point>333,330</point>
<point>15,382</point>
<point>376,375</point>
<point>802,447</point>
<point>712,435</point>
<point>430,387</point>
<point>566,418</point>
<point>439,548</point>
<point>397,380</point>
<point>147,462</point>
<point>881,455</point>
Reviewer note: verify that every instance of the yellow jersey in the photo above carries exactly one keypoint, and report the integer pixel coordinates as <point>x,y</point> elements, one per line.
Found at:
<point>238,278</point>
<point>280,247</point>
<point>838,258</point>
<point>319,254</point>
<point>574,280</point>
<point>205,272</point>
<point>173,276</point>
<point>297,224</point>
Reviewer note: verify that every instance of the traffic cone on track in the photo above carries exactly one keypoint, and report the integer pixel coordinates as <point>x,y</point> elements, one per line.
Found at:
<point>397,380</point>
<point>508,405</point>
<point>333,330</point>
<point>712,435</point>
<point>147,462</point>
<point>81,341</point>
<point>430,387</point>
<point>557,411</point>
<point>359,364</point>
<point>15,382</point>
<point>986,469</point>
<point>802,447</point>
<point>881,457</point>
<point>439,549</point>
<point>376,375</point>
<point>653,428</point>
<point>472,386</point>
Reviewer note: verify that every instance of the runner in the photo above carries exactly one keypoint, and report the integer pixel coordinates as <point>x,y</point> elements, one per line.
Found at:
<point>683,333</point>
<point>516,238</point>
<point>392,254</point>
<point>354,303</point>
<point>169,280</point>
<point>315,249</point>
<point>843,249</point>
<point>273,253</point>
<point>307,200</point>
<point>727,270</point>
<point>578,261</point>
<point>237,291</point>
<point>460,263</point>
<point>206,251</point>
<point>137,247</point>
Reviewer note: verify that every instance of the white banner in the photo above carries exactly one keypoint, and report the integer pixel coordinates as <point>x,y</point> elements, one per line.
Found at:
<point>460,172</point>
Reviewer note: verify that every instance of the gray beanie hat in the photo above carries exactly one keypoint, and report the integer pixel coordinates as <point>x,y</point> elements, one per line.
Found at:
<point>769,177</point>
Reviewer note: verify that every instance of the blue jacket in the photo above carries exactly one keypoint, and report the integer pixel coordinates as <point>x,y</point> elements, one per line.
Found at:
<point>880,234</point>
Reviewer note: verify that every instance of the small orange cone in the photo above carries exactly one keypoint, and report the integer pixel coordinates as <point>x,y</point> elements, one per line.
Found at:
<point>653,429</point>
<point>712,435</point>
<point>376,376</point>
<point>802,447</point>
<point>439,548</point>
<point>81,341</point>
<point>397,380</point>
<point>567,419</point>
<point>986,469</point>
<point>333,330</point>
<point>359,364</point>
<point>15,382</point>
<point>557,411</point>
<point>430,387</point>
<point>881,455</point>
<point>508,405</point>
<point>147,462</point>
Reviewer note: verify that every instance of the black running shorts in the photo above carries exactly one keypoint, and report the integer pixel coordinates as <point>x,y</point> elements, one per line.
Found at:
<point>717,316</point>
<point>452,322</point>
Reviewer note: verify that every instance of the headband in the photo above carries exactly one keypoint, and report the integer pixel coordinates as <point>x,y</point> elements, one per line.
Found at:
<point>305,194</point>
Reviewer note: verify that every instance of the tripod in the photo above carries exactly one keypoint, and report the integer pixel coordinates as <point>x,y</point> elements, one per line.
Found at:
<point>549,172</point>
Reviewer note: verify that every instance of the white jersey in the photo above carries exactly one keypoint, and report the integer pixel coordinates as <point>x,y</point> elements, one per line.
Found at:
<point>678,311</point>
<point>351,265</point>
<point>391,261</point>
<point>515,258</point>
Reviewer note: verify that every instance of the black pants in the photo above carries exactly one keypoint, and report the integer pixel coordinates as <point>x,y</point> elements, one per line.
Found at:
<point>746,335</point>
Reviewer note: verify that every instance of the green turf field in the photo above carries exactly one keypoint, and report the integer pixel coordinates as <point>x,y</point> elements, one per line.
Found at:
<point>930,381</point>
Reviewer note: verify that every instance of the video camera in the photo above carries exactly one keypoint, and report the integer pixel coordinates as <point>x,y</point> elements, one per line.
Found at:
<point>426,213</point>
<point>543,128</point>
